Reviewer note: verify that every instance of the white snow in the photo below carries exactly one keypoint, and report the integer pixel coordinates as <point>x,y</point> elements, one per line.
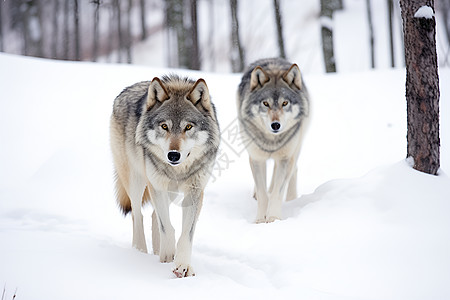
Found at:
<point>424,12</point>
<point>382,235</point>
<point>326,22</point>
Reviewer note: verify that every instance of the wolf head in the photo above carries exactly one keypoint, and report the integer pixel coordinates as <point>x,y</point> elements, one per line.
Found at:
<point>276,97</point>
<point>177,119</point>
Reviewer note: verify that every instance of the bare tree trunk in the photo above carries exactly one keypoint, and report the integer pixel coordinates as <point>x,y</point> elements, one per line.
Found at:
<point>276,5</point>
<point>195,61</point>
<point>390,5</point>
<point>76,14</point>
<point>326,16</point>
<point>372,38</point>
<point>237,52</point>
<point>422,84</point>
<point>96,33</point>
<point>143,20</point>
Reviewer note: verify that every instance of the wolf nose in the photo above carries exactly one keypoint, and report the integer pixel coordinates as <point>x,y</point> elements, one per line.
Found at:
<point>174,156</point>
<point>275,126</point>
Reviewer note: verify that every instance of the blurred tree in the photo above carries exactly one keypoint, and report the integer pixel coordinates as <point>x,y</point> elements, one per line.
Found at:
<point>128,37</point>
<point>66,39</point>
<point>1,27</point>
<point>422,84</point>
<point>143,20</point>
<point>182,32</point>
<point>371,34</point>
<point>76,24</point>
<point>54,46</point>
<point>445,8</point>
<point>390,5</point>
<point>194,48</point>
<point>237,51</point>
<point>31,25</point>
<point>326,17</point>
<point>95,40</point>
<point>276,5</point>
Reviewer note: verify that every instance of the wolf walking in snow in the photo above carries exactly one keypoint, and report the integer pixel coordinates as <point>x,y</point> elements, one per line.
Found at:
<point>273,113</point>
<point>164,140</point>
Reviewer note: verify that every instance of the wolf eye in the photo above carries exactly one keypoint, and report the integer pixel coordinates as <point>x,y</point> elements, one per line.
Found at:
<point>188,127</point>
<point>164,126</point>
<point>266,104</point>
<point>285,103</point>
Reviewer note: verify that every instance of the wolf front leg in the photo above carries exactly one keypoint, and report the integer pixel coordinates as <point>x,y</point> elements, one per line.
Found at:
<point>160,202</point>
<point>192,205</point>
<point>259,176</point>
<point>280,179</point>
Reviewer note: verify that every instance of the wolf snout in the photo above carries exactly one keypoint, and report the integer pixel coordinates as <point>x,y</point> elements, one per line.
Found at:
<point>174,157</point>
<point>275,126</point>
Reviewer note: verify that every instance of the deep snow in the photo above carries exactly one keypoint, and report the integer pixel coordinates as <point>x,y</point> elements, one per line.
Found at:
<point>382,235</point>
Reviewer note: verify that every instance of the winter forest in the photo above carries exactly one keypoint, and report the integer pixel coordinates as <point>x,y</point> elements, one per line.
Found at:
<point>371,218</point>
<point>210,35</point>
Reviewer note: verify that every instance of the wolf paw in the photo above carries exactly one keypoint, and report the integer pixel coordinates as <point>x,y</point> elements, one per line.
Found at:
<point>272,219</point>
<point>260,220</point>
<point>166,258</point>
<point>183,270</point>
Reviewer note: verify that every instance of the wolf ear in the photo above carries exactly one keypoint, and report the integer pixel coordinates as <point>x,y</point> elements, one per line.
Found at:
<point>258,78</point>
<point>156,92</point>
<point>293,77</point>
<point>199,94</point>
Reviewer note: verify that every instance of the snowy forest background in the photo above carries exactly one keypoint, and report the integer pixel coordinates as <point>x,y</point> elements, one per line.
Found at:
<point>212,35</point>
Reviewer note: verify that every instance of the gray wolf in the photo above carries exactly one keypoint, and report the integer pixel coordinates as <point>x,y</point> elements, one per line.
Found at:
<point>273,113</point>
<point>164,140</point>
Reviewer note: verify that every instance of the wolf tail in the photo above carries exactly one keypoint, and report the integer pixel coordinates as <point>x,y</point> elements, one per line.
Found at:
<point>123,199</point>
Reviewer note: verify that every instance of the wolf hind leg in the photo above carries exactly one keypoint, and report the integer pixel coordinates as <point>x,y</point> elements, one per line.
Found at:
<point>155,234</point>
<point>136,194</point>
<point>292,187</point>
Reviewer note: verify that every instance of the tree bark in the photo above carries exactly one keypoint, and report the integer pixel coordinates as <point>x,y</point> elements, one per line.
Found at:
<point>422,86</point>
<point>276,5</point>
<point>237,52</point>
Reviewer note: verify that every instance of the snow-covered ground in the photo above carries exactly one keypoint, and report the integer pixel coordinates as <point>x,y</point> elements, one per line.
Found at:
<point>366,225</point>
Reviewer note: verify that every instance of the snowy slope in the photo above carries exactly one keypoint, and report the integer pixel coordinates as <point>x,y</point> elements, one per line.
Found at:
<point>383,235</point>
